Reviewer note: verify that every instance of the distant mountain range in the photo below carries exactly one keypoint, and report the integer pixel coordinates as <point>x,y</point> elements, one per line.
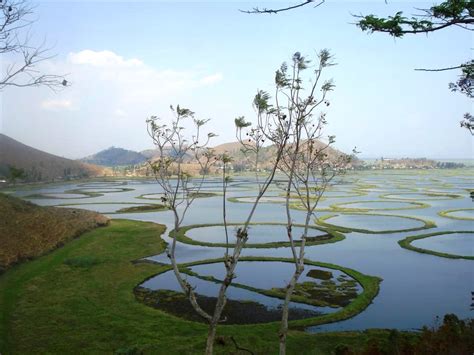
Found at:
<point>115,157</point>
<point>32,164</point>
<point>122,157</point>
<point>29,164</point>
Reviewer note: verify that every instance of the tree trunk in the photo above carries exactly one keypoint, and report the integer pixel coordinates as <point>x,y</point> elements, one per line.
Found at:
<point>211,335</point>
<point>286,305</point>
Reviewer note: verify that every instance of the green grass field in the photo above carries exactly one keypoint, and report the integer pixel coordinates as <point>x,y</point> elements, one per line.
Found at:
<point>79,299</point>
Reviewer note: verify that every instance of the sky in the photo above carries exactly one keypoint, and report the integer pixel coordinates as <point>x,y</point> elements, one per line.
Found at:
<point>127,61</point>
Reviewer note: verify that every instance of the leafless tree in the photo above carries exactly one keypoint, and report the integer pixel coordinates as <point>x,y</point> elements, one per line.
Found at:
<point>20,55</point>
<point>307,162</point>
<point>179,190</point>
<point>288,128</point>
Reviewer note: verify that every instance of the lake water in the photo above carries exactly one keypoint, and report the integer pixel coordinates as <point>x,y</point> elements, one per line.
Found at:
<point>415,288</point>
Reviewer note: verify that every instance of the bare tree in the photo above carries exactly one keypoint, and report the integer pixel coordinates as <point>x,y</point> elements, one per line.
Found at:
<point>21,56</point>
<point>306,162</point>
<point>269,125</point>
<point>179,190</point>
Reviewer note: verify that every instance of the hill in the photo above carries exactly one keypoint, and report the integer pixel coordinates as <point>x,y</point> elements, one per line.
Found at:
<point>115,157</point>
<point>151,154</point>
<point>28,231</point>
<point>35,165</point>
<point>241,161</point>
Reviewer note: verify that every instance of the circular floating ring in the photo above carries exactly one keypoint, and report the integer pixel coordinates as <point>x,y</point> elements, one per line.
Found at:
<point>329,236</point>
<point>344,194</point>
<point>149,196</point>
<point>264,199</point>
<point>100,184</point>
<point>406,243</point>
<point>370,286</point>
<point>135,208</point>
<point>448,214</point>
<point>340,207</point>
<point>421,196</point>
<point>322,222</point>
<point>57,196</point>
<point>99,190</point>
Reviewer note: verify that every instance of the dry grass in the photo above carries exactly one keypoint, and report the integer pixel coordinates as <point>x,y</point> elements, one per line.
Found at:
<point>28,231</point>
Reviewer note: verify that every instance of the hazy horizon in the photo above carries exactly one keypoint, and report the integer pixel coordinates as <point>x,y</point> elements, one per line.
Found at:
<point>127,61</point>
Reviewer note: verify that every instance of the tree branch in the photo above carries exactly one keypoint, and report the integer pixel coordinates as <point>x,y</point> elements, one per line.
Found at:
<point>257,10</point>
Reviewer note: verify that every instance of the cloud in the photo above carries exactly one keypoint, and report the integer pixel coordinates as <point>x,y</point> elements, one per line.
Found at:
<point>57,105</point>
<point>211,79</point>
<point>102,59</point>
<point>119,112</point>
<point>129,80</point>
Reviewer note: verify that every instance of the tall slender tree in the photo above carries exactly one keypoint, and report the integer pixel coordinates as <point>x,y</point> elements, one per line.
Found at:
<point>305,160</point>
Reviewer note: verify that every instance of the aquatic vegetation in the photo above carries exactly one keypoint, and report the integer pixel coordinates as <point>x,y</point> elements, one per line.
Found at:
<point>319,274</point>
<point>328,236</point>
<point>341,293</point>
<point>407,244</point>
<point>451,214</point>
<point>98,191</point>
<point>134,208</point>
<point>421,196</point>
<point>322,221</point>
<point>151,196</point>
<point>405,205</point>
<point>143,208</point>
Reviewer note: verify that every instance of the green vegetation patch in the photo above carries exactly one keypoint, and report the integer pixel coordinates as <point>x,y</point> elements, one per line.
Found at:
<point>143,208</point>
<point>319,274</point>
<point>266,199</point>
<point>47,306</point>
<point>103,183</point>
<point>406,243</point>
<point>191,195</point>
<point>448,214</point>
<point>427,224</point>
<point>331,236</point>
<point>99,191</point>
<point>345,206</point>
<point>139,208</point>
<point>323,295</point>
<point>424,195</point>
<point>57,194</point>
<point>329,292</point>
<point>84,261</point>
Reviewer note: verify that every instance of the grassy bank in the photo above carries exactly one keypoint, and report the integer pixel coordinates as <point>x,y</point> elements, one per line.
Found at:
<point>79,299</point>
<point>28,231</point>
